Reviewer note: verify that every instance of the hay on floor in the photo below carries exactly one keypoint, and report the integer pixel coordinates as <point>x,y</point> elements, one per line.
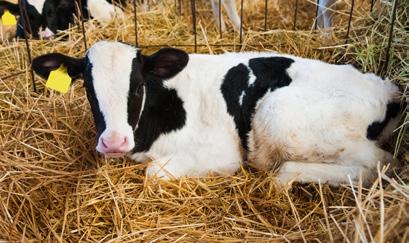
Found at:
<point>54,186</point>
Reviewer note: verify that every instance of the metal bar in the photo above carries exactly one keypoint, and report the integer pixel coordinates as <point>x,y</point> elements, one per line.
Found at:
<point>265,14</point>
<point>23,11</point>
<point>295,15</point>
<point>226,45</point>
<point>316,14</point>
<point>372,4</point>
<point>241,21</point>
<point>390,36</point>
<point>220,19</point>
<point>193,8</point>
<point>349,21</point>
<point>79,3</point>
<point>12,75</point>
<point>135,23</point>
<point>205,45</point>
<point>26,20</point>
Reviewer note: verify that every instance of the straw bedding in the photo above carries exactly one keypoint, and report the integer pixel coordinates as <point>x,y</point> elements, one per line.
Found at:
<point>55,187</point>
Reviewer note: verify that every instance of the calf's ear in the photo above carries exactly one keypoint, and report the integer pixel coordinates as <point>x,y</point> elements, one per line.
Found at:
<point>44,64</point>
<point>11,7</point>
<point>165,63</point>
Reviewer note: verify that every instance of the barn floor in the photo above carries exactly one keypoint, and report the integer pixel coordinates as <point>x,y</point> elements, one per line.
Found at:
<point>55,187</point>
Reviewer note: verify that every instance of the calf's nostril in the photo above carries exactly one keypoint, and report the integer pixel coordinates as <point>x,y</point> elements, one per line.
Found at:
<point>124,142</point>
<point>103,143</point>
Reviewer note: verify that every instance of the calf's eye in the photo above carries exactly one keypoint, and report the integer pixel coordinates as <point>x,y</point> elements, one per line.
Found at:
<point>139,90</point>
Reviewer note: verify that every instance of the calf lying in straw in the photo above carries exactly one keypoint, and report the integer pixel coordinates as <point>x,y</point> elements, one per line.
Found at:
<point>195,114</point>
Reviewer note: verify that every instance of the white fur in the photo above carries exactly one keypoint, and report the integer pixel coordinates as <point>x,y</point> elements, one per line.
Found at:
<point>112,66</point>
<point>46,33</point>
<point>208,142</point>
<point>37,4</point>
<point>327,107</point>
<point>332,174</point>
<point>320,120</point>
<point>142,106</point>
<point>104,11</point>
<point>241,98</point>
<point>252,78</point>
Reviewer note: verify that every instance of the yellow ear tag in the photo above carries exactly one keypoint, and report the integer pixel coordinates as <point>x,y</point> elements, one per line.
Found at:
<point>59,80</point>
<point>8,18</point>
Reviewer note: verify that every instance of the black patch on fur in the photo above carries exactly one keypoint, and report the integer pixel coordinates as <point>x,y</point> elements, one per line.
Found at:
<point>34,21</point>
<point>135,96</point>
<point>375,129</point>
<point>163,113</point>
<point>92,98</point>
<point>270,73</point>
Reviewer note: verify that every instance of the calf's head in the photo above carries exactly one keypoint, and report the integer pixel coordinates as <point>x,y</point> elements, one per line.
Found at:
<point>44,17</point>
<point>116,77</point>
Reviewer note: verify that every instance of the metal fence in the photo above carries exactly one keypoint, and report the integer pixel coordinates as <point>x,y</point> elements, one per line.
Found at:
<point>193,12</point>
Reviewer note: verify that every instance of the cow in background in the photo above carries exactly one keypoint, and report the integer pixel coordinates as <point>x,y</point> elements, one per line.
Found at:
<point>46,17</point>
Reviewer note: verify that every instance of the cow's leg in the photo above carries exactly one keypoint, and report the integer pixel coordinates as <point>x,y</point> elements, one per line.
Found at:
<point>353,163</point>
<point>231,11</point>
<point>325,13</point>
<point>176,166</point>
<point>216,8</point>
<point>265,153</point>
<point>322,8</point>
<point>368,155</point>
<point>170,167</point>
<point>332,174</point>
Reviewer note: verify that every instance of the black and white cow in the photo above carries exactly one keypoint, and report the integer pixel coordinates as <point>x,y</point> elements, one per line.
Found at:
<point>46,17</point>
<point>195,114</point>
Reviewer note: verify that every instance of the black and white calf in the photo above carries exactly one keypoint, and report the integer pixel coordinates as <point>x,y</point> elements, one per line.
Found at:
<point>46,17</point>
<point>195,114</point>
